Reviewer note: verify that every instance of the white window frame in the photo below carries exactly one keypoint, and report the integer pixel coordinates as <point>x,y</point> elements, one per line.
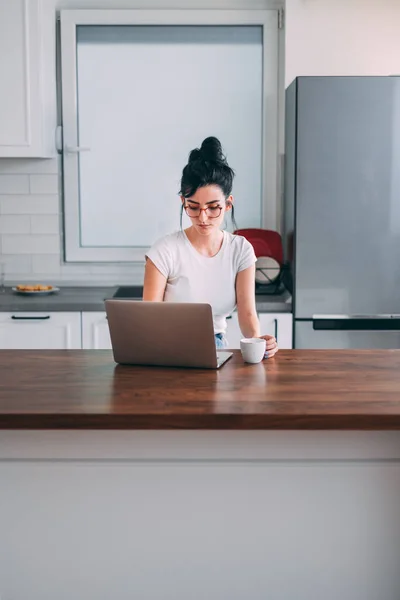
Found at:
<point>71,19</point>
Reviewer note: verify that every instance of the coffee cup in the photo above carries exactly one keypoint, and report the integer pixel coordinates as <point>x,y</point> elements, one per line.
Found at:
<point>253,349</point>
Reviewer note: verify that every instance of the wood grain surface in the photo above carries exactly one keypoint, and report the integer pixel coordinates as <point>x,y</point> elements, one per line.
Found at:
<point>298,389</point>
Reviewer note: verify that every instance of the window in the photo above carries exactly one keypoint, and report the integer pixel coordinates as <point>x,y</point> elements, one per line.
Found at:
<point>139,90</point>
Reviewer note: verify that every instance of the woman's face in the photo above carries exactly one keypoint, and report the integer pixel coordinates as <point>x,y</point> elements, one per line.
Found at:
<point>206,208</point>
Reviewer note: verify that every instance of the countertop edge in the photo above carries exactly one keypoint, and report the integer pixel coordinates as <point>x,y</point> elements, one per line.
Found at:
<point>336,422</point>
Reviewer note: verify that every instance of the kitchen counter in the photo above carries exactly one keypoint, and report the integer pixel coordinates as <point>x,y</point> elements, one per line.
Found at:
<point>91,299</point>
<point>68,299</point>
<point>253,481</point>
<point>296,390</point>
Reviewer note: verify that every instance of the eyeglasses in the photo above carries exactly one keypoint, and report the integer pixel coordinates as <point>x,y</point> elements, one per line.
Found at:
<point>212,212</point>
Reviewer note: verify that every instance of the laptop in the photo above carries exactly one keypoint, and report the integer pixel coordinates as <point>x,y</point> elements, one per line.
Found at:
<point>165,334</point>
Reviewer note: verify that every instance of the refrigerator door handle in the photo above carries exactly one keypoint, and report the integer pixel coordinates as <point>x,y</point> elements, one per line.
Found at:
<point>356,323</point>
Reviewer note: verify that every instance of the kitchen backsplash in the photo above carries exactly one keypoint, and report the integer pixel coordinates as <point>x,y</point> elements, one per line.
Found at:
<point>31,238</point>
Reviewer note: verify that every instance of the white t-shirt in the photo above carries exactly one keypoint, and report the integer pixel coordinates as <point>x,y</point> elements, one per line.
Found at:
<point>192,277</point>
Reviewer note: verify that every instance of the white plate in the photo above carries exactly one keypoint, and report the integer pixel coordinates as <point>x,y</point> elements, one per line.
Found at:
<point>267,269</point>
<point>37,292</point>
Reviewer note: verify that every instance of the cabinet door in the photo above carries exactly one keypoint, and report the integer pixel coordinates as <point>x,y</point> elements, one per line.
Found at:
<point>21,70</point>
<point>279,325</point>
<point>233,333</point>
<point>40,331</point>
<point>95,331</point>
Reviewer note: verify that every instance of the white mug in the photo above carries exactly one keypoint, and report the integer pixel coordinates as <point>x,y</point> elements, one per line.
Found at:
<point>253,349</point>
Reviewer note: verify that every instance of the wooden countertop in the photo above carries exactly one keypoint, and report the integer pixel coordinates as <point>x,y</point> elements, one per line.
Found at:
<point>298,389</point>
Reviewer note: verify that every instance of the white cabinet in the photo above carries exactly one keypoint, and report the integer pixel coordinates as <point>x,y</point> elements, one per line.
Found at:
<point>95,331</point>
<point>276,324</point>
<point>40,331</point>
<point>233,333</point>
<point>89,330</point>
<point>24,105</point>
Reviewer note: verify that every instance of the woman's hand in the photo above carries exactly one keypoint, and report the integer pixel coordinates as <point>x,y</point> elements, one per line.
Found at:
<point>271,346</point>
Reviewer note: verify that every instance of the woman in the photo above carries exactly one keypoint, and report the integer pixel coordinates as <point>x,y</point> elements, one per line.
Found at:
<point>204,263</point>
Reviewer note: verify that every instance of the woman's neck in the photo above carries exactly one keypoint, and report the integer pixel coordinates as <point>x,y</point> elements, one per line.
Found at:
<point>208,245</point>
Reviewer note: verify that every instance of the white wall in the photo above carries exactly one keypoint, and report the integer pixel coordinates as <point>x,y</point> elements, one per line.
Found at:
<point>342,37</point>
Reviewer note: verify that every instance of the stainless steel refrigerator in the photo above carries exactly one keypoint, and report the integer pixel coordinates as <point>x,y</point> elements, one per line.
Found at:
<point>342,211</point>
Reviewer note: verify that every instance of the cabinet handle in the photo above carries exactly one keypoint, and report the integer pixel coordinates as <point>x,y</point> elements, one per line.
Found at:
<point>76,149</point>
<point>14,318</point>
<point>276,329</point>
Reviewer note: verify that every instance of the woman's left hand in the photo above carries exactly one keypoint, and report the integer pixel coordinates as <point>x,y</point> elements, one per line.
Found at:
<point>271,347</point>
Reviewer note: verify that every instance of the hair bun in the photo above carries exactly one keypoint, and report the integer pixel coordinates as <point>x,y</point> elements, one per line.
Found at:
<point>211,149</point>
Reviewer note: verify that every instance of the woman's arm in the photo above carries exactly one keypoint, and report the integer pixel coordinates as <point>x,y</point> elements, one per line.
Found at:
<point>154,283</point>
<point>246,307</point>
<point>246,303</point>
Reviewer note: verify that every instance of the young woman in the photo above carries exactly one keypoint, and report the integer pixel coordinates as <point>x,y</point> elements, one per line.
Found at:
<point>205,263</point>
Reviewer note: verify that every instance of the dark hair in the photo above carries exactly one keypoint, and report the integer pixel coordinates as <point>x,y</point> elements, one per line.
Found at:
<point>207,165</point>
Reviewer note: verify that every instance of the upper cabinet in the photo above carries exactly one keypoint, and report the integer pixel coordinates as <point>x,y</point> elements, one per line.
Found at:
<point>25,129</point>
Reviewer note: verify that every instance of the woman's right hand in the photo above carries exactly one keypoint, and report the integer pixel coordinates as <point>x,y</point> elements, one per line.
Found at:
<point>271,346</point>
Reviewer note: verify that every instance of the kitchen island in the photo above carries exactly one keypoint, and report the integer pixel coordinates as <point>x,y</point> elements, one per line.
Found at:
<point>279,480</point>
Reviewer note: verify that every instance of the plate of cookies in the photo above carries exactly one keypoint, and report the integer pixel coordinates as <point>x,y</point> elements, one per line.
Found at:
<point>35,290</point>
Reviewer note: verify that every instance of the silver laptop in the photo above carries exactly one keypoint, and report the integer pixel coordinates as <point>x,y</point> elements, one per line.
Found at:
<point>167,334</point>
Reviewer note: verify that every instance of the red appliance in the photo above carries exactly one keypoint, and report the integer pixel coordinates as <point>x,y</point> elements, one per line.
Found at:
<point>268,249</point>
<point>265,242</point>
